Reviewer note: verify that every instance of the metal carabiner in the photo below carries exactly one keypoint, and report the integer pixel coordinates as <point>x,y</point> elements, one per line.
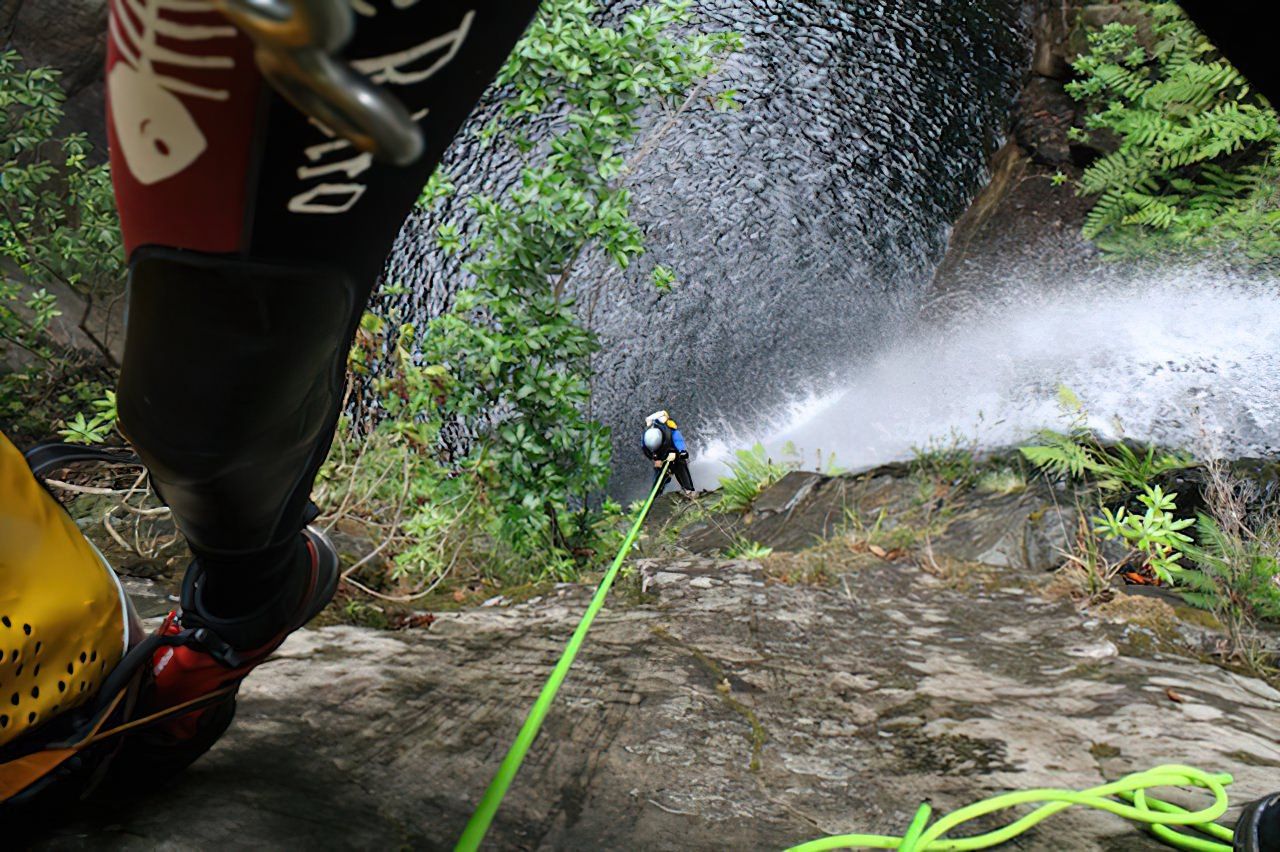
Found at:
<point>295,42</point>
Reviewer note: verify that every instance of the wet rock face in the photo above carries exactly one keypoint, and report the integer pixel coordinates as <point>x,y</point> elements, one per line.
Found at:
<point>804,225</point>
<point>724,712</point>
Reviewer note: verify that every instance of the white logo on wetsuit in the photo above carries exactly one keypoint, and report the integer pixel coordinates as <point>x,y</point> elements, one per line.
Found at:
<point>156,133</point>
<point>401,68</point>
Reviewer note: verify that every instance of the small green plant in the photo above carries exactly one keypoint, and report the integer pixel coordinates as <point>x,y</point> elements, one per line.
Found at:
<point>751,472</point>
<point>1196,165</point>
<point>897,536</point>
<point>1001,480</point>
<point>1155,535</point>
<point>945,464</point>
<point>366,615</point>
<point>744,548</point>
<point>97,427</point>
<point>1238,574</point>
<point>663,279</point>
<point>1088,565</point>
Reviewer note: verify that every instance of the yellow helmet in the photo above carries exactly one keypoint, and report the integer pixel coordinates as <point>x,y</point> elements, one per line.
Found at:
<point>65,621</point>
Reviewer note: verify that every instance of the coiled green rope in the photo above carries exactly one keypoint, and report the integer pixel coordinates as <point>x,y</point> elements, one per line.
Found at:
<point>1158,816</point>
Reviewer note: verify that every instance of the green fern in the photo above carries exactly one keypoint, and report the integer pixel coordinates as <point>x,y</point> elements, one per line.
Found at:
<point>1079,454</point>
<point>752,471</point>
<point>1195,168</point>
<point>1236,577</point>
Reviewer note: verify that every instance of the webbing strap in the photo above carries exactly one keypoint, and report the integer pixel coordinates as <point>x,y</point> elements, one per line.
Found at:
<point>479,823</point>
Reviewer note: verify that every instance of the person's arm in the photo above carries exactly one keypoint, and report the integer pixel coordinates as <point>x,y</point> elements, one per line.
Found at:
<point>677,440</point>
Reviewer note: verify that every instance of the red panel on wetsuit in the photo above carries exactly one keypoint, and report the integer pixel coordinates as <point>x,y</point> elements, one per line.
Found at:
<point>182,93</point>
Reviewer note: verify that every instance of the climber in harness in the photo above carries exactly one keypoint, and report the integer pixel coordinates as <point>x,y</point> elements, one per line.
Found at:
<point>663,443</point>
<point>264,154</point>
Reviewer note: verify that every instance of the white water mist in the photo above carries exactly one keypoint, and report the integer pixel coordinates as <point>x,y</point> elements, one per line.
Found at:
<point>1176,358</point>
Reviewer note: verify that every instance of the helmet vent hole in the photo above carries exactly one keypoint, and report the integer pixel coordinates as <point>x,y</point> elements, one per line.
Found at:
<point>4,619</point>
<point>26,628</point>
<point>14,699</point>
<point>83,656</point>
<point>4,720</point>
<point>62,686</point>
<point>31,717</point>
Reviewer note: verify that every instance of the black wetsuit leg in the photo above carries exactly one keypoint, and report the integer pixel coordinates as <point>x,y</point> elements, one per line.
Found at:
<point>681,468</point>
<point>255,237</point>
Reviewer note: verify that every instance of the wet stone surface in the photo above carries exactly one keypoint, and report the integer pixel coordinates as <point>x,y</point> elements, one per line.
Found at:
<point>725,711</point>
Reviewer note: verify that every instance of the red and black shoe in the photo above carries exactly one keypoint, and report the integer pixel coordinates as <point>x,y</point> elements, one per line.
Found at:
<point>192,661</point>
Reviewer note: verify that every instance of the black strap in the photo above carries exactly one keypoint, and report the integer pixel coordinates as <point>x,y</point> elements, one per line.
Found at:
<point>47,457</point>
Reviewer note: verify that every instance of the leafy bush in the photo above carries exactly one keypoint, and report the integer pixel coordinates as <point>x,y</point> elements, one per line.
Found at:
<point>517,357</point>
<point>480,452</point>
<point>57,227</point>
<point>1195,166</point>
<point>1111,467</point>
<point>1225,560</point>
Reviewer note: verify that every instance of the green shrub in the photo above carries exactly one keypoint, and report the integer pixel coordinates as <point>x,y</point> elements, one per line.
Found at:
<point>1195,164</point>
<point>515,352</point>
<point>58,226</point>
<point>480,451</point>
<point>1155,535</point>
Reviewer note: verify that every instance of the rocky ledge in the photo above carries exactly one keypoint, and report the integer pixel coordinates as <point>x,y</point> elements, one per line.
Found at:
<point>728,703</point>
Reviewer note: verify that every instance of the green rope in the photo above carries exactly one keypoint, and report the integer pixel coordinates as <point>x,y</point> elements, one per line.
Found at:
<point>1159,817</point>
<point>479,823</point>
<point>1126,797</point>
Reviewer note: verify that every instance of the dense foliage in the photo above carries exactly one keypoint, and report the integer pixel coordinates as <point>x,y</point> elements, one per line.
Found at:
<point>58,227</point>
<point>1194,164</point>
<point>508,365</point>
<point>1224,558</point>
